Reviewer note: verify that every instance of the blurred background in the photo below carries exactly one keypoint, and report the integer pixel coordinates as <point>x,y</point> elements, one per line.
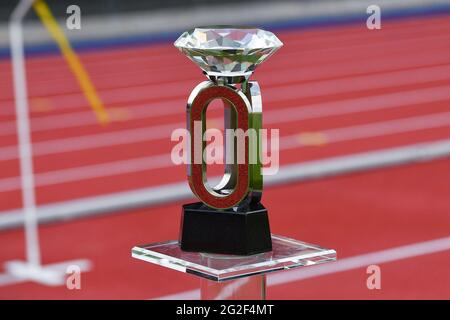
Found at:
<point>364,120</point>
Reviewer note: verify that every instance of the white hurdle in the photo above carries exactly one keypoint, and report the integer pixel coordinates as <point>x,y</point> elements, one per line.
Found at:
<point>31,269</point>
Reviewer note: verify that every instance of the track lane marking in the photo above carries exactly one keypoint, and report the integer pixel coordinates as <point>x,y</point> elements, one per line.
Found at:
<point>159,161</point>
<point>80,118</point>
<point>297,172</point>
<point>283,68</point>
<point>77,68</point>
<point>287,115</point>
<point>296,90</point>
<point>294,41</point>
<point>341,265</point>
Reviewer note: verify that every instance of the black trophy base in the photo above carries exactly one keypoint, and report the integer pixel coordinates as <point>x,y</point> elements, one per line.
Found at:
<point>242,232</point>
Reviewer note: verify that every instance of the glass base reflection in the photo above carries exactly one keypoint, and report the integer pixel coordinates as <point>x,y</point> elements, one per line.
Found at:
<point>286,254</point>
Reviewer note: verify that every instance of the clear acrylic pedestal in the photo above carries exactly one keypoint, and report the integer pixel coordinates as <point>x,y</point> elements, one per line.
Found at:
<point>247,288</point>
<point>228,277</point>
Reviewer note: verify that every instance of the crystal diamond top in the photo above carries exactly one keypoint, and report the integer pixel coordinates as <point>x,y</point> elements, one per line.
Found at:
<point>228,51</point>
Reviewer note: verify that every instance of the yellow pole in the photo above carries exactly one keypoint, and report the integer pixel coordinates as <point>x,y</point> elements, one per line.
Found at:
<point>49,21</point>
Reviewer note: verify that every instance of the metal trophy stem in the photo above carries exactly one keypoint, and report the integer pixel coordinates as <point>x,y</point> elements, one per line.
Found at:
<point>249,288</point>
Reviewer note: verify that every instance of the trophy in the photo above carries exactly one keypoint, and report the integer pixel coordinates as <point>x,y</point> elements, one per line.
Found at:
<point>229,218</point>
<point>225,238</point>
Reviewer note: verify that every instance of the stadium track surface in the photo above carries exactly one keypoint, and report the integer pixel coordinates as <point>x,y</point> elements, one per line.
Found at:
<point>331,91</point>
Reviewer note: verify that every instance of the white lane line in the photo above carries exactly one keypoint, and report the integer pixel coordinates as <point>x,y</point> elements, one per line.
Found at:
<point>309,73</point>
<point>287,115</point>
<point>7,279</point>
<point>273,93</point>
<point>358,105</point>
<point>376,129</point>
<point>82,118</point>
<point>341,265</point>
<point>364,260</point>
<point>125,200</point>
<point>95,141</point>
<point>358,83</point>
<point>92,171</point>
<point>19,272</point>
<point>402,43</point>
<point>355,66</point>
<point>109,63</point>
<point>180,191</point>
<point>139,111</point>
<point>288,142</point>
<point>185,295</point>
<point>227,291</point>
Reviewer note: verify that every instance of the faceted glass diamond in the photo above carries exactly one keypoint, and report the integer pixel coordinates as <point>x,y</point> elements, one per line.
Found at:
<point>228,51</point>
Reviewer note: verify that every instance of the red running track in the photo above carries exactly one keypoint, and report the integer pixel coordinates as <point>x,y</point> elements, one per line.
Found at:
<point>355,89</point>
<point>321,80</point>
<point>355,214</point>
